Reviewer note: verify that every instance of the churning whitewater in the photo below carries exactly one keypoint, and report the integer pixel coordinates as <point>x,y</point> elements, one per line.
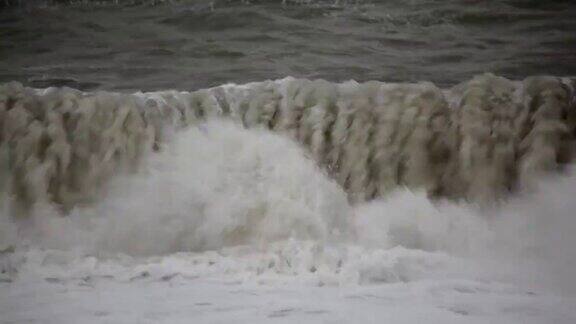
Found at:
<point>138,185</point>
<point>479,140</point>
<point>297,180</point>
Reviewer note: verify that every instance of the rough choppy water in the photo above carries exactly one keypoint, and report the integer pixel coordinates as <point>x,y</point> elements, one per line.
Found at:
<point>294,200</point>
<point>189,45</point>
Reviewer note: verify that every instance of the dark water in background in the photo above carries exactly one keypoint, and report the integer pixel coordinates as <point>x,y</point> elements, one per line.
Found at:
<point>188,45</point>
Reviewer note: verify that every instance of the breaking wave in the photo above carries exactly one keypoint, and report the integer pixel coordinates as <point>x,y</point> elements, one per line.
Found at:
<point>479,140</point>
<point>338,192</point>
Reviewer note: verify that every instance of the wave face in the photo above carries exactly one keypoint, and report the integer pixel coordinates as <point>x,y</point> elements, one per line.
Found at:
<point>479,140</point>
<point>248,188</point>
<point>211,187</point>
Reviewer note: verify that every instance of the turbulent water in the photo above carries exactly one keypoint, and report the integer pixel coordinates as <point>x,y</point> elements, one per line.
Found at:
<point>136,156</point>
<point>267,182</point>
<point>189,45</point>
<point>479,140</point>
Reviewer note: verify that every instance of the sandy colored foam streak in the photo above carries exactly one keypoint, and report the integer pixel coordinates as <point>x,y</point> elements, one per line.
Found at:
<point>479,140</point>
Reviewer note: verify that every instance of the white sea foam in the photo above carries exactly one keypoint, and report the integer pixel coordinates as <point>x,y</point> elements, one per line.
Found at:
<point>222,201</point>
<point>479,141</point>
<point>240,223</point>
<point>150,187</point>
<point>215,186</point>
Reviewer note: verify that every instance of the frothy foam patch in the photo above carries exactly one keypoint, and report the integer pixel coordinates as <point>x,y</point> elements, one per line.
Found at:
<point>248,205</point>
<point>215,186</point>
<point>481,140</point>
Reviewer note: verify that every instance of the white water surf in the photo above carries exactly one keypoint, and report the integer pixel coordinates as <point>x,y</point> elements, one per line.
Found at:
<point>224,207</point>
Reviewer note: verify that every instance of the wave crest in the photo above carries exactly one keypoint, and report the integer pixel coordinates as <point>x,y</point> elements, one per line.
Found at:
<point>479,140</point>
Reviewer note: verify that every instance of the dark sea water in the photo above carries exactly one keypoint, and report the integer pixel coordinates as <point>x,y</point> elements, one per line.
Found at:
<point>150,45</point>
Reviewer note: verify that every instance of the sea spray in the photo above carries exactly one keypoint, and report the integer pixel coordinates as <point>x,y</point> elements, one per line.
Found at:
<point>480,140</point>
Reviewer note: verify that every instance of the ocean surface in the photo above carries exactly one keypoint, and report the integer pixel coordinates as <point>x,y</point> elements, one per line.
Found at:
<point>148,45</point>
<point>287,161</point>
